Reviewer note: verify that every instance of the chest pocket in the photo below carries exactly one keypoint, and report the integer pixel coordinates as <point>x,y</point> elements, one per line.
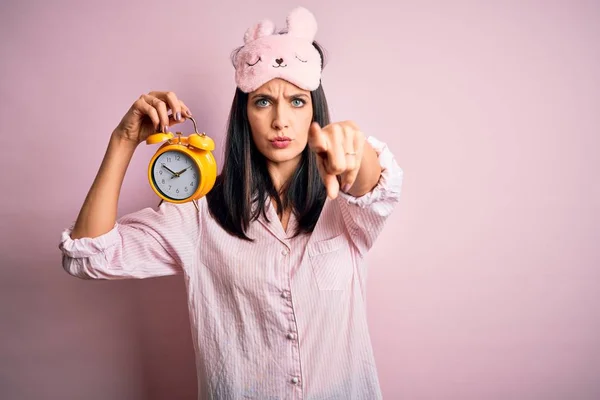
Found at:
<point>331,262</point>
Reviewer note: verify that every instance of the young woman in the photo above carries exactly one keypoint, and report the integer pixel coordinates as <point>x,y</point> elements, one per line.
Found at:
<point>273,256</point>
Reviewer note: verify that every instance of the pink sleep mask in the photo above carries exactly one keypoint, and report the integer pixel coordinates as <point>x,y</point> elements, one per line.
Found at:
<point>291,56</point>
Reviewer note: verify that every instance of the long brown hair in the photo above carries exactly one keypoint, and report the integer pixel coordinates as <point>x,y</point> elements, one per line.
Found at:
<point>245,179</point>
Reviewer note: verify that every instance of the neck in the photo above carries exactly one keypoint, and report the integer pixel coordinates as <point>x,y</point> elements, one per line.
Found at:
<point>281,172</point>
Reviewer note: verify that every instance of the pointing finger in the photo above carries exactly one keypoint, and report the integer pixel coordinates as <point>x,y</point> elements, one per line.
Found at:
<point>317,140</point>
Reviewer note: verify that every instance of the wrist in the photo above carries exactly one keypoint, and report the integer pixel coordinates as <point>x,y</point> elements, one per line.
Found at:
<point>119,141</point>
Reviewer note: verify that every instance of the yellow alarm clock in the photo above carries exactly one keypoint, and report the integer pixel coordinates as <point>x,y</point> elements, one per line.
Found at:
<point>183,168</point>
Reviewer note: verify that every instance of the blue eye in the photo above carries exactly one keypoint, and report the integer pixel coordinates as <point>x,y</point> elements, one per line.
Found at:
<point>296,103</point>
<point>302,102</point>
<point>258,102</point>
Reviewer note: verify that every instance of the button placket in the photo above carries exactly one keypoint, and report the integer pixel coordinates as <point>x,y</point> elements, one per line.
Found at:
<point>286,294</point>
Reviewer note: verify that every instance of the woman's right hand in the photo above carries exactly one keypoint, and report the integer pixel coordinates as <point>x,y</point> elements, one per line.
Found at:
<point>150,114</point>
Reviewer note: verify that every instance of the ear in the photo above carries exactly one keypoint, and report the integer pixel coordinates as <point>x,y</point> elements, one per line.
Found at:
<point>302,23</point>
<point>263,28</point>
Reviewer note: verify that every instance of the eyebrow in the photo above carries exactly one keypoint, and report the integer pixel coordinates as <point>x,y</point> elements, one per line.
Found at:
<point>266,96</point>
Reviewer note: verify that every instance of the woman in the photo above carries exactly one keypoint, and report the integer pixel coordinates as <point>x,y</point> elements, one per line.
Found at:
<point>273,256</point>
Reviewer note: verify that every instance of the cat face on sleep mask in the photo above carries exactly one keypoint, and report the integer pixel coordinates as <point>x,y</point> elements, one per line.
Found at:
<point>291,56</point>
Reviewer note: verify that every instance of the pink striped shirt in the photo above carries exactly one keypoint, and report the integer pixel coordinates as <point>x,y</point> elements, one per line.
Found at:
<point>280,318</point>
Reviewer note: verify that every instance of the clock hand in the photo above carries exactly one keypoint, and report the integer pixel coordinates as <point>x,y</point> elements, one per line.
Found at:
<point>183,170</point>
<point>171,171</point>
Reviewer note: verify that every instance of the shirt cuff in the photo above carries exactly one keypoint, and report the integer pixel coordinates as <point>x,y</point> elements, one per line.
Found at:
<point>86,247</point>
<point>390,182</point>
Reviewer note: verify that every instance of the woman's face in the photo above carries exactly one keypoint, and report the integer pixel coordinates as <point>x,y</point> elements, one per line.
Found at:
<point>280,115</point>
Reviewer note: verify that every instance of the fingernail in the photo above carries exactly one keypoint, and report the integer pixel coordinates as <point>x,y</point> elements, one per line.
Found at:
<point>178,116</point>
<point>164,129</point>
<point>189,113</point>
<point>346,187</point>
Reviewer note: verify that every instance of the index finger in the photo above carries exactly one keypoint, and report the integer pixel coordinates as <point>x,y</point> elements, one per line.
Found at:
<point>317,140</point>
<point>171,99</point>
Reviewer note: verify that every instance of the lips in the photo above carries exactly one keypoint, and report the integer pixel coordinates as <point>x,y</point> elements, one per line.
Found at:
<point>281,142</point>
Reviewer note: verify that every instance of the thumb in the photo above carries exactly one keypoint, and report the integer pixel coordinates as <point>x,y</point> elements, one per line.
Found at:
<point>330,181</point>
<point>332,185</point>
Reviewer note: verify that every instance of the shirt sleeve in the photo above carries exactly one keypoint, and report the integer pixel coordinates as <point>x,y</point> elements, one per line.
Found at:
<point>144,244</point>
<point>365,216</point>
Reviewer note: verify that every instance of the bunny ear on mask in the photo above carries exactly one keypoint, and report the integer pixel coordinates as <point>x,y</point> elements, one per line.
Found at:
<point>302,24</point>
<point>262,29</point>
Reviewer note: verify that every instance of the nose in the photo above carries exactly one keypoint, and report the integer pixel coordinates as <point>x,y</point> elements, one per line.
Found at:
<point>279,61</point>
<point>279,123</point>
<point>281,118</point>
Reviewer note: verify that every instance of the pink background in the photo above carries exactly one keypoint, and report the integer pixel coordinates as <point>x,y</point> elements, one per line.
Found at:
<point>485,283</point>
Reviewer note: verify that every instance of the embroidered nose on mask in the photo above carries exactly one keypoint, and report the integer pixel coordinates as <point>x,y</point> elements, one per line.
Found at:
<point>279,61</point>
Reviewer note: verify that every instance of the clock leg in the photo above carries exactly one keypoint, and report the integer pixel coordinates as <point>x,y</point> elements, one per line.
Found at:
<point>193,201</point>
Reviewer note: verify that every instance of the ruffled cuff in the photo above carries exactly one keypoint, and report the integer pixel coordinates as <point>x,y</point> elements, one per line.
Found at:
<point>390,181</point>
<point>86,247</point>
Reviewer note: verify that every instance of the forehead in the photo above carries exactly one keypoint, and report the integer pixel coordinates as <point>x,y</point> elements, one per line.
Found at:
<point>280,86</point>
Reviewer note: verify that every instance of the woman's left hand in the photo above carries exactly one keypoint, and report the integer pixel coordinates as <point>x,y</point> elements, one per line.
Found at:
<point>339,148</point>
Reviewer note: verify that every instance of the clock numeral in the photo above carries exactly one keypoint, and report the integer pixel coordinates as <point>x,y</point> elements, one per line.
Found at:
<point>168,159</point>
<point>178,157</point>
<point>163,181</point>
<point>160,172</point>
<point>169,187</point>
<point>185,189</point>
<point>194,175</point>
<point>177,191</point>
<point>192,184</point>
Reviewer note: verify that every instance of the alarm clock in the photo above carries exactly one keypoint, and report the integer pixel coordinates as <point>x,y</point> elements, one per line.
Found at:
<point>183,169</point>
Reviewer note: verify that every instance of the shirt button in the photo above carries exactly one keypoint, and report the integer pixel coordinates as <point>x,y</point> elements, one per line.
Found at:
<point>291,336</point>
<point>285,294</point>
<point>295,380</point>
<point>284,252</point>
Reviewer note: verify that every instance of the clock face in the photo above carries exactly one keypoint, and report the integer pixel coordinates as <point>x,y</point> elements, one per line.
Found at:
<point>175,174</point>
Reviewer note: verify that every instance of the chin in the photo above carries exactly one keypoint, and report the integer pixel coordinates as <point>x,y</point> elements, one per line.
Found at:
<point>283,155</point>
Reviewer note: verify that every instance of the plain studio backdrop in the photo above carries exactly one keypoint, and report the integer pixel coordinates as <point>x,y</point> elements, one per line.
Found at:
<point>485,282</point>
